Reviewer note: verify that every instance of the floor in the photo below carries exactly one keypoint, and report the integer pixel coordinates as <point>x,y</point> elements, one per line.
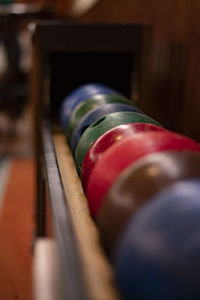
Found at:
<point>17,194</point>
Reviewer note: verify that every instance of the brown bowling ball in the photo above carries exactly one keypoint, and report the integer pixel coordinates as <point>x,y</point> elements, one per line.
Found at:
<point>137,184</point>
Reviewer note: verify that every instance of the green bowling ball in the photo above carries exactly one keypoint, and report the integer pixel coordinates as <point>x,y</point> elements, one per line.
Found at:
<point>85,107</point>
<point>102,125</point>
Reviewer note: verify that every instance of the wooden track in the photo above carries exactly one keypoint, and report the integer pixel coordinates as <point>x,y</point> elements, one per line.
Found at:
<point>98,275</point>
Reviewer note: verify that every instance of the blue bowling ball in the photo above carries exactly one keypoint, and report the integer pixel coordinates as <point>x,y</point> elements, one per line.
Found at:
<point>94,115</point>
<point>79,95</point>
<point>158,255</point>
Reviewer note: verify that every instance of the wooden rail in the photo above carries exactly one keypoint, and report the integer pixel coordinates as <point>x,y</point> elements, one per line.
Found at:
<point>97,272</point>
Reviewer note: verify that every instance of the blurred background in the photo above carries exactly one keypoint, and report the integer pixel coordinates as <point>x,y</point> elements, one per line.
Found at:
<point>173,69</point>
<point>173,85</point>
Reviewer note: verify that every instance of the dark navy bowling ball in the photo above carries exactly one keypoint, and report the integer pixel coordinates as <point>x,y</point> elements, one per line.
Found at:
<point>158,254</point>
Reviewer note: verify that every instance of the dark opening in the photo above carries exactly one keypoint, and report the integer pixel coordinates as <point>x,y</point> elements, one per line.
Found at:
<point>70,70</point>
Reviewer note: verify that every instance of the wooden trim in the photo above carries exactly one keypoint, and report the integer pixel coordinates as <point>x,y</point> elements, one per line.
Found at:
<point>37,96</point>
<point>98,38</point>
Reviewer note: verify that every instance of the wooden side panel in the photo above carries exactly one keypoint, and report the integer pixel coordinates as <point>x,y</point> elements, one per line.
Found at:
<point>174,85</point>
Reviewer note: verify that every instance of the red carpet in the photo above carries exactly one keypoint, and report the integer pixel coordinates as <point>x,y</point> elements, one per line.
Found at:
<point>16,226</point>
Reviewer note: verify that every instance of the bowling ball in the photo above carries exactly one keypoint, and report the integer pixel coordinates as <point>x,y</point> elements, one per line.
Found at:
<point>94,115</point>
<point>158,254</point>
<point>122,154</point>
<point>86,106</point>
<point>139,182</point>
<point>109,138</point>
<point>102,125</point>
<point>79,95</point>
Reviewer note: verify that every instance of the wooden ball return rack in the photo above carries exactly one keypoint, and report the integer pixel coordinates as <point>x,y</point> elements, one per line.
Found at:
<point>67,55</point>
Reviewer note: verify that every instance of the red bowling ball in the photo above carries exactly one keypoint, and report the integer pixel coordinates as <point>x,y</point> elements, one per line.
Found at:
<point>124,153</point>
<point>108,139</point>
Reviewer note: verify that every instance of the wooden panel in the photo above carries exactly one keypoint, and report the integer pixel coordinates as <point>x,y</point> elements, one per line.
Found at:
<point>97,38</point>
<point>174,84</point>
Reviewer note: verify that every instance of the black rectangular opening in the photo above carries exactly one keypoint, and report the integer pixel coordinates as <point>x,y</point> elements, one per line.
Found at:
<point>70,70</point>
